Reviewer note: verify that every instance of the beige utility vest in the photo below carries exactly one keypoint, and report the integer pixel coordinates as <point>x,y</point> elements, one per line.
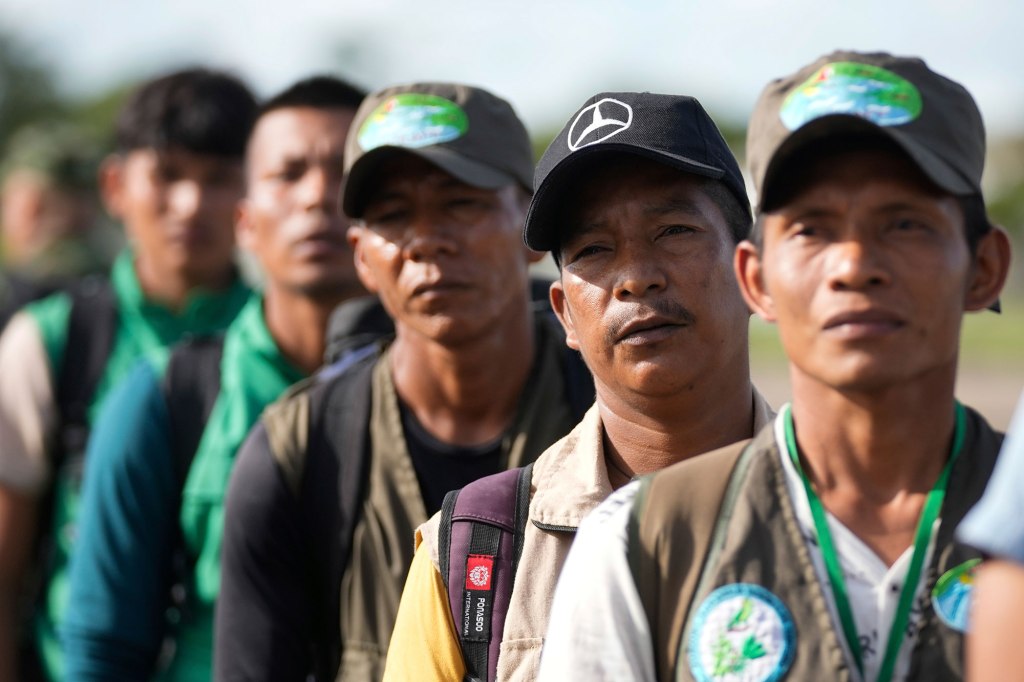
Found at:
<point>726,520</point>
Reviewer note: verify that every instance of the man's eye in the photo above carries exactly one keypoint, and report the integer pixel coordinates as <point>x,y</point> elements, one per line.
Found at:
<point>805,230</point>
<point>585,252</point>
<point>465,204</point>
<point>391,217</point>
<point>677,229</point>
<point>908,225</point>
<point>289,173</point>
<point>167,173</point>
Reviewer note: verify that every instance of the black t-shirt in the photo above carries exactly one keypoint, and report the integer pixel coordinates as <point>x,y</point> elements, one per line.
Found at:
<point>441,467</point>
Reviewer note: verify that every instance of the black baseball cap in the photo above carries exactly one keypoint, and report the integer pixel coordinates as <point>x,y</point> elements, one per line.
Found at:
<point>933,119</point>
<point>670,129</point>
<point>466,131</point>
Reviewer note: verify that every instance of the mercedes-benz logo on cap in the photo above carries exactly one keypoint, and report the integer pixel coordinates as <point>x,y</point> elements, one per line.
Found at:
<point>598,122</point>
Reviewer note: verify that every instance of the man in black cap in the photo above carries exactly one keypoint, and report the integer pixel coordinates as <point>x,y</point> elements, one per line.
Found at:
<point>330,485</point>
<point>642,204</point>
<point>824,549</point>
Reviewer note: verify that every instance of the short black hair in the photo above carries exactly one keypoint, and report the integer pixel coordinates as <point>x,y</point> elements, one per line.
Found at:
<point>317,92</point>
<point>200,110</point>
<point>793,174</point>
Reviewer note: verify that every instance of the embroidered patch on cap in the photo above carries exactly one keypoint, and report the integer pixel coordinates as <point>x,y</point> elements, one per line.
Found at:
<point>855,89</point>
<point>742,633</point>
<point>951,596</point>
<point>413,120</point>
<point>598,122</point>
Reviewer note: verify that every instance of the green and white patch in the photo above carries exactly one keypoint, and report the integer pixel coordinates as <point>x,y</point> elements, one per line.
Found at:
<point>951,596</point>
<point>853,89</point>
<point>742,633</point>
<point>413,120</point>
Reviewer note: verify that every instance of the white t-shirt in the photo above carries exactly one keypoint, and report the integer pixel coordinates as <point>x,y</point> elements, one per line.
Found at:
<point>598,629</point>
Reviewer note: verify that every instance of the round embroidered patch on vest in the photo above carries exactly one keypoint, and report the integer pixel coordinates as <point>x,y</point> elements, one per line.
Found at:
<point>742,633</point>
<point>951,596</point>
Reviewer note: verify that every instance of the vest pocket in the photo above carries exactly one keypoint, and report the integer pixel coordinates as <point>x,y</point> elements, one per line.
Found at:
<point>519,659</point>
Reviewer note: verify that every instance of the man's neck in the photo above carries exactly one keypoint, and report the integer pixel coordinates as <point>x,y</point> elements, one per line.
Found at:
<point>645,434</point>
<point>171,289</point>
<point>873,456</point>
<point>298,325</point>
<point>467,394</point>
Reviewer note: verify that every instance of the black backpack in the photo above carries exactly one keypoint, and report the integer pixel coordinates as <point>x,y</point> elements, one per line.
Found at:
<point>190,387</point>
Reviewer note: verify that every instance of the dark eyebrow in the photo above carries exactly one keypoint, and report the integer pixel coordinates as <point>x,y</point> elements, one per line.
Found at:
<point>672,206</point>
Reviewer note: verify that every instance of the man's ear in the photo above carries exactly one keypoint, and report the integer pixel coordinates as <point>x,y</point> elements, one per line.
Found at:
<point>558,304</point>
<point>750,276</point>
<point>358,236</point>
<point>245,231</point>
<point>111,185</point>
<point>991,266</point>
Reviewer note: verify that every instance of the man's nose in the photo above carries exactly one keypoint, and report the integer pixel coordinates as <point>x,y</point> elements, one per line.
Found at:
<point>854,264</point>
<point>638,276</point>
<point>428,236</point>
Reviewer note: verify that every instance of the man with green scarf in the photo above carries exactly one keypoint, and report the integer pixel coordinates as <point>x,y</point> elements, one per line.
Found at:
<point>173,181</point>
<point>133,503</point>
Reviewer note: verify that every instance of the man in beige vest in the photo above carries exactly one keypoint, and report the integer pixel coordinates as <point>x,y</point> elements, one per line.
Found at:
<point>823,550</point>
<point>641,203</point>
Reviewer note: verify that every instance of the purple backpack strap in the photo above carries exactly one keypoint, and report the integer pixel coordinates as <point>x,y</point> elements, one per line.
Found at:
<point>480,539</point>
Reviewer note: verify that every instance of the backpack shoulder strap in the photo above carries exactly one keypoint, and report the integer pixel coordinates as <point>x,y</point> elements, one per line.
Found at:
<point>92,327</point>
<point>480,540</point>
<point>667,568</point>
<point>335,453</point>
<point>190,387</point>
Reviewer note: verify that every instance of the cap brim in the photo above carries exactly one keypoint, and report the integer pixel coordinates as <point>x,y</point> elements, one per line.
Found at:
<point>474,173</point>
<point>933,166</point>
<point>541,234</point>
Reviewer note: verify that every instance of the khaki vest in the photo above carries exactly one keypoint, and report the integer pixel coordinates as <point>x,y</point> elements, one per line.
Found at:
<point>382,544</point>
<point>727,518</point>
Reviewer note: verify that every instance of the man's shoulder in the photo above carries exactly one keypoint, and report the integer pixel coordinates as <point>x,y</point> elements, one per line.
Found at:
<point>304,407</point>
<point>700,483</point>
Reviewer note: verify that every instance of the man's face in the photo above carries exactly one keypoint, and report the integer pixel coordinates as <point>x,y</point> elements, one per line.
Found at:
<point>447,259</point>
<point>177,207</point>
<point>867,272</point>
<point>647,292</point>
<point>290,218</point>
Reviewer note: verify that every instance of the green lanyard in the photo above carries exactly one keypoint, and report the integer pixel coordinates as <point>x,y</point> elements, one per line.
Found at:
<point>921,539</point>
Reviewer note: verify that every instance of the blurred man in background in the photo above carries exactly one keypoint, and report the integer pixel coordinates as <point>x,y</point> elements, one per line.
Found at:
<point>147,481</point>
<point>50,231</point>
<point>174,183</point>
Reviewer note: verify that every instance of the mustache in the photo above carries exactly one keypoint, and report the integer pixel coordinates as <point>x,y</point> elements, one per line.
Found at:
<point>672,311</point>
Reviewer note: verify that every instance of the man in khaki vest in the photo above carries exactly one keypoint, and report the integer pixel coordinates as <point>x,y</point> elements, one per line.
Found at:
<point>329,487</point>
<point>823,550</point>
<point>642,204</point>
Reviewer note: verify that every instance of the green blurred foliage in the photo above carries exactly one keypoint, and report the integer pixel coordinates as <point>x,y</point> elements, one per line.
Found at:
<point>27,90</point>
<point>29,96</point>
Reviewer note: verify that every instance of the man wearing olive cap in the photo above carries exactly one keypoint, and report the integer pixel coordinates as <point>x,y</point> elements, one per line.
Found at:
<point>335,477</point>
<point>824,549</point>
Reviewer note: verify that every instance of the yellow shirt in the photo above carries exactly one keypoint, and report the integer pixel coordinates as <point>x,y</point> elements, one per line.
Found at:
<point>431,653</point>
